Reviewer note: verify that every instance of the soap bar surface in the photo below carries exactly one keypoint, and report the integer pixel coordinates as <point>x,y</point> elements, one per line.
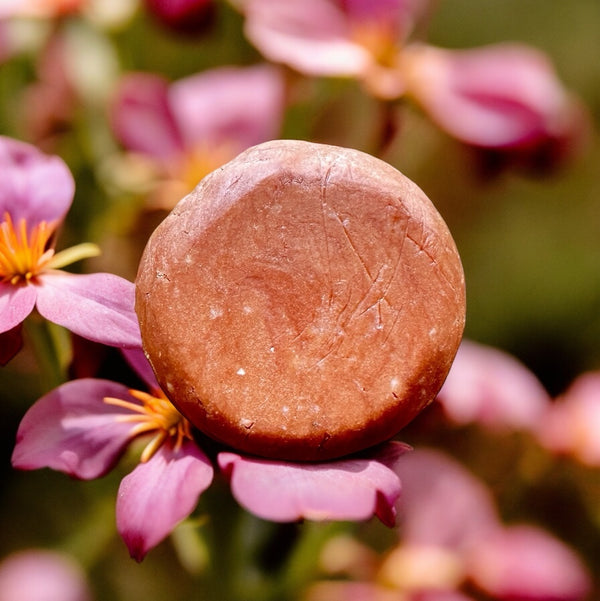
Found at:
<point>304,302</point>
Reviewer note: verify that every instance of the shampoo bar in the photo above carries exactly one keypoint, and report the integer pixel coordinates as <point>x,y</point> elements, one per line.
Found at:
<point>303,302</point>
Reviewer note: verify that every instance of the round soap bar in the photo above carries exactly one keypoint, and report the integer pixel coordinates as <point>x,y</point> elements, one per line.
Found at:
<point>303,302</point>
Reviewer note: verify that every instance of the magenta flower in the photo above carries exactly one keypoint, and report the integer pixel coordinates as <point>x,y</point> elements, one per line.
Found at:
<point>40,575</point>
<point>490,387</point>
<point>192,126</point>
<point>36,192</point>
<point>84,426</point>
<point>571,424</point>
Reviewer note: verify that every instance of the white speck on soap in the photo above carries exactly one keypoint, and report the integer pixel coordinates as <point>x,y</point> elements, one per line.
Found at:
<point>241,372</point>
<point>215,312</point>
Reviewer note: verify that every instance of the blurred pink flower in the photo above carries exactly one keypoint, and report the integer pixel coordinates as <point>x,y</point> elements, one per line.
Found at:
<point>36,191</point>
<point>571,424</point>
<point>352,38</point>
<point>453,544</point>
<point>491,387</point>
<point>449,521</point>
<point>182,16</point>
<point>192,126</point>
<point>49,102</point>
<point>505,96</point>
<point>40,575</point>
<point>83,427</point>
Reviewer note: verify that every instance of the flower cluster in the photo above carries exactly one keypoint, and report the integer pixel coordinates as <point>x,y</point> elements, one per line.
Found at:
<point>84,426</point>
<point>441,555</point>
<point>505,97</point>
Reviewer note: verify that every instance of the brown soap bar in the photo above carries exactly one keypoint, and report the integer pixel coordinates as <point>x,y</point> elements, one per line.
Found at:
<point>303,302</point>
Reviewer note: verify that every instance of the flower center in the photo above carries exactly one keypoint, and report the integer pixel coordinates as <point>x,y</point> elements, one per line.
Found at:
<point>204,159</point>
<point>156,414</point>
<point>23,256</point>
<point>379,39</point>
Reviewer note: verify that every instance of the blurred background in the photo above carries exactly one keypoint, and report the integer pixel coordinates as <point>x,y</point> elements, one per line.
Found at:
<point>529,239</point>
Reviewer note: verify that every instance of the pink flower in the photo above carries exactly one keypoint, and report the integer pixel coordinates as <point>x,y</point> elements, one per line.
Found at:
<point>449,520</point>
<point>39,575</point>
<point>571,424</point>
<point>352,38</point>
<point>504,97</point>
<point>490,387</point>
<point>192,126</point>
<point>83,427</point>
<point>453,543</point>
<point>36,192</point>
<point>501,96</point>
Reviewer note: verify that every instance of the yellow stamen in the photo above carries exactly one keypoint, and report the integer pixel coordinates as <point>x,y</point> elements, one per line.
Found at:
<point>155,414</point>
<point>25,255</point>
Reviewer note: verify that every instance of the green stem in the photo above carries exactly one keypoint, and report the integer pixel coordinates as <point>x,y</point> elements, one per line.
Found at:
<point>51,346</point>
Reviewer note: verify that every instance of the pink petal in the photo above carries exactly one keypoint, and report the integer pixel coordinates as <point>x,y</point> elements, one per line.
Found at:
<point>311,36</point>
<point>242,106</point>
<point>348,489</point>
<point>523,562</point>
<point>141,117</point>
<point>160,493</point>
<point>442,504</point>
<point>491,387</point>
<point>71,430</point>
<point>16,303</point>
<point>571,424</point>
<point>34,186</point>
<point>98,306</point>
<point>497,96</point>
<point>399,16</point>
